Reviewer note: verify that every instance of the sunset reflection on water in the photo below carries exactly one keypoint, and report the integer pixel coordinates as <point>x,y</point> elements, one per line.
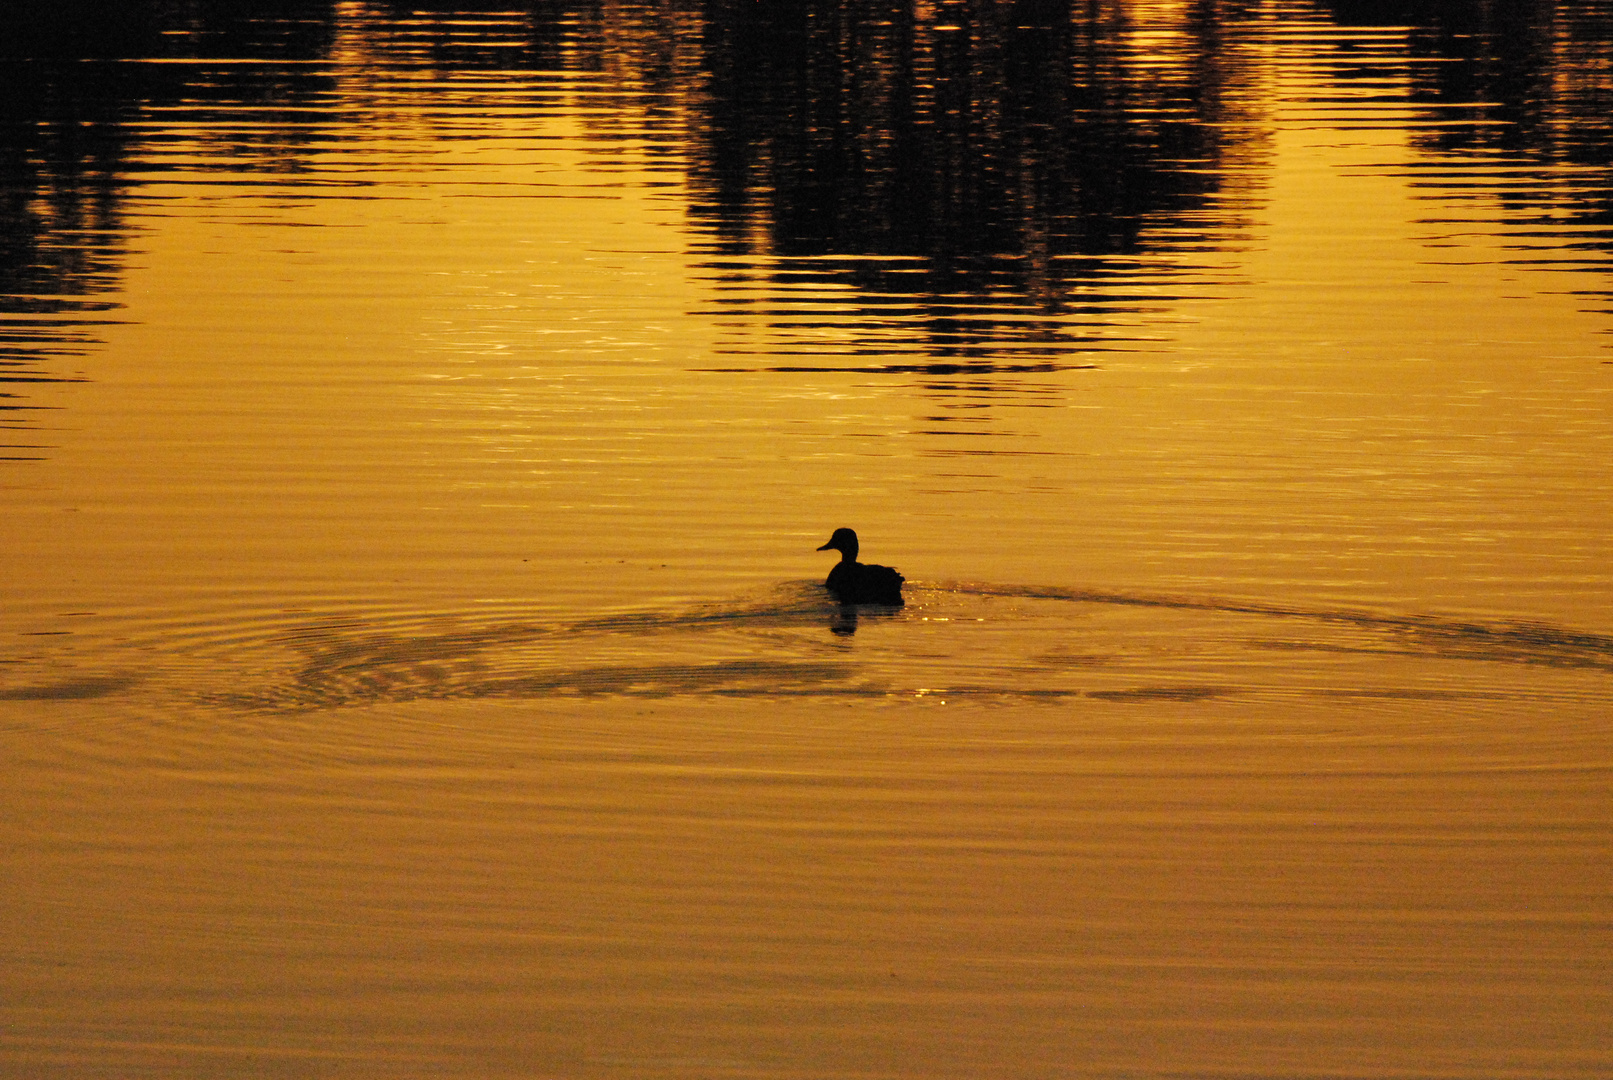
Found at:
<point>420,422</point>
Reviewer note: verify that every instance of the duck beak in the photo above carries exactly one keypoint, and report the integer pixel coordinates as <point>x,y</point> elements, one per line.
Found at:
<point>827,546</point>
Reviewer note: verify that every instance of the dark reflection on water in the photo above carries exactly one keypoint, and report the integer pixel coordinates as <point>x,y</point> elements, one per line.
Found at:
<point>975,187</point>
<point>972,129</point>
<point>76,109</point>
<point>63,142</point>
<point>990,157</point>
<point>1514,101</point>
<point>1522,86</point>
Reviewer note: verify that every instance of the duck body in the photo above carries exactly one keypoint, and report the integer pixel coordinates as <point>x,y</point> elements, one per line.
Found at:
<point>853,582</point>
<point>861,583</point>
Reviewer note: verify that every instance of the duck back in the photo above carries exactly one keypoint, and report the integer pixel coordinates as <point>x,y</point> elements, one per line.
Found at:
<point>862,583</point>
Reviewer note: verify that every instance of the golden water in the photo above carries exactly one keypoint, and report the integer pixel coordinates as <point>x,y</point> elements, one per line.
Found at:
<point>420,425</point>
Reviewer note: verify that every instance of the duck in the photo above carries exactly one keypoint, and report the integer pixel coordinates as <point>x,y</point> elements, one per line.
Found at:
<point>853,582</point>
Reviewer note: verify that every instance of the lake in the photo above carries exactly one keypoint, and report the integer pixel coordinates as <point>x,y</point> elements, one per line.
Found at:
<point>419,422</point>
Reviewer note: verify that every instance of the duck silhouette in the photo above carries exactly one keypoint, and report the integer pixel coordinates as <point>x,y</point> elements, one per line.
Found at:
<point>853,582</point>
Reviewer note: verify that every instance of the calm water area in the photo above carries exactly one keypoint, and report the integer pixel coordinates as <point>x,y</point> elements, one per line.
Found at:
<point>418,424</point>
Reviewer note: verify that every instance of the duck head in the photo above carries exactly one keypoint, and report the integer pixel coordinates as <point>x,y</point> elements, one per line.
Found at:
<point>845,542</point>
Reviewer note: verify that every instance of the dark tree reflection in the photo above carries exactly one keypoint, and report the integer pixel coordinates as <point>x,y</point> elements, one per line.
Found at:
<point>72,118</point>
<point>955,129</point>
<point>64,138</point>
<point>999,150</point>
<point>1523,90</point>
<point>973,183</point>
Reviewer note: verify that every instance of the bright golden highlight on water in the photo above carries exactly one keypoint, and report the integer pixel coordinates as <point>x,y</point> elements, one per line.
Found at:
<point>419,428</point>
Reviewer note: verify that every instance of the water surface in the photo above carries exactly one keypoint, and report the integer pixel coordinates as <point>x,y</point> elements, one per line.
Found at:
<point>419,422</point>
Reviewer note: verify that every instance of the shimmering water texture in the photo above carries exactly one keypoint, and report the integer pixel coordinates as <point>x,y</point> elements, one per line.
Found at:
<point>418,424</point>
<point>961,641</point>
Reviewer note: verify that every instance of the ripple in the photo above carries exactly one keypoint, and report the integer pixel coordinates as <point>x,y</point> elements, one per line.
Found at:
<point>966,640</point>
